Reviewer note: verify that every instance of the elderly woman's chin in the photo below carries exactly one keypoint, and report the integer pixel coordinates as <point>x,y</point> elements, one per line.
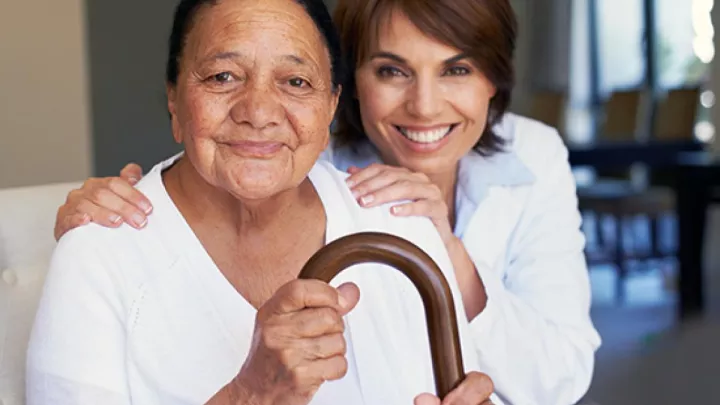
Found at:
<point>259,179</point>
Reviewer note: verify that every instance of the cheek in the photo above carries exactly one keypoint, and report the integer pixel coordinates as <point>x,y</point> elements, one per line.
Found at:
<point>377,100</point>
<point>310,121</point>
<point>202,115</point>
<point>471,101</point>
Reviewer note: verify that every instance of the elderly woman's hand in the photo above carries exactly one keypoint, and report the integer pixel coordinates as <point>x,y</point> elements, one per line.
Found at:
<point>298,342</point>
<point>107,201</point>
<point>475,389</point>
<point>380,184</point>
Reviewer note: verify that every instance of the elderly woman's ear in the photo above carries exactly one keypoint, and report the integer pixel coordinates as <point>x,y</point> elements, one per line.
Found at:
<point>171,91</point>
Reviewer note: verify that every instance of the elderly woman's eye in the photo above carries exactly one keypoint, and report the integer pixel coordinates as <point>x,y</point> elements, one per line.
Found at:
<point>298,82</point>
<point>389,71</point>
<point>457,71</point>
<point>223,77</point>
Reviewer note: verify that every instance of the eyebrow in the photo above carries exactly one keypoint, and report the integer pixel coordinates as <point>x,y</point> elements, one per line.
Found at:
<point>297,60</point>
<point>400,59</point>
<point>223,56</point>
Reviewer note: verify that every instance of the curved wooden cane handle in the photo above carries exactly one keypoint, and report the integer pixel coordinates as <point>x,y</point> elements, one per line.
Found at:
<point>424,274</point>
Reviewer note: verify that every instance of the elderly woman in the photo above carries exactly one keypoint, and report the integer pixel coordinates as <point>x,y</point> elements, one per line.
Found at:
<point>424,116</point>
<point>204,306</point>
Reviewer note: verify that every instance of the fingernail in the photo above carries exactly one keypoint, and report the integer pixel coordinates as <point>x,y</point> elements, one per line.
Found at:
<point>367,199</point>
<point>115,219</point>
<point>147,208</point>
<point>139,220</point>
<point>133,180</point>
<point>398,209</point>
<point>350,183</point>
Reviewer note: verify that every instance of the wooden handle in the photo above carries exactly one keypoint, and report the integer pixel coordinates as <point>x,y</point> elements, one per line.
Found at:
<point>424,274</point>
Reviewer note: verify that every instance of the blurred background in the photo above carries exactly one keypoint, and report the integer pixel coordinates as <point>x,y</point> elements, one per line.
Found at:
<point>630,84</point>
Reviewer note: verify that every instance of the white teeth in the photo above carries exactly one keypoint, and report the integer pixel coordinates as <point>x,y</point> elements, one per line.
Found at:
<point>425,136</point>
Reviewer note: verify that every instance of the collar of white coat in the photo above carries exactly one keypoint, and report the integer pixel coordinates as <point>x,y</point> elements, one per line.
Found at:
<point>478,174</point>
<point>504,168</point>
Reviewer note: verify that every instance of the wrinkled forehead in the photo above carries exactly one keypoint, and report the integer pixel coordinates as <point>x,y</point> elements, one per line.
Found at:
<point>256,29</point>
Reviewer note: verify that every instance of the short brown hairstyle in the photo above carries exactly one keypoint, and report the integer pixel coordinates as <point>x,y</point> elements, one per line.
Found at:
<point>485,30</point>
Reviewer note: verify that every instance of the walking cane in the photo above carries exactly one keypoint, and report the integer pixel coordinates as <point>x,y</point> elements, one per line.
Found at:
<point>422,272</point>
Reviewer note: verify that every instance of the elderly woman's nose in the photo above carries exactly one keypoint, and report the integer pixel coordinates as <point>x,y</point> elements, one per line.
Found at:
<point>258,107</point>
<point>425,98</point>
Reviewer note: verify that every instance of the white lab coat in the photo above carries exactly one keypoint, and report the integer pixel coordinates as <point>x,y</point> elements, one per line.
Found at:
<point>519,221</point>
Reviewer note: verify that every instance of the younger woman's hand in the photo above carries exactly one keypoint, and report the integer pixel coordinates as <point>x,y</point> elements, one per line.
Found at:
<point>475,389</point>
<point>379,184</point>
<point>107,201</point>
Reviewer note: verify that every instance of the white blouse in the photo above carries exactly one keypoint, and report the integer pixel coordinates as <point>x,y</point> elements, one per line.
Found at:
<point>146,317</point>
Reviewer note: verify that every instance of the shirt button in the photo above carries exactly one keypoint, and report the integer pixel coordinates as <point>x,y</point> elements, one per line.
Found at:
<point>11,279</point>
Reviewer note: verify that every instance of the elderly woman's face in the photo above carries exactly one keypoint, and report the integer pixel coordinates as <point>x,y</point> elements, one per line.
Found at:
<point>254,100</point>
<point>423,103</point>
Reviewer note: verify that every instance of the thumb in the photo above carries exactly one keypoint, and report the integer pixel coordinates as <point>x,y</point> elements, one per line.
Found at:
<point>132,173</point>
<point>348,296</point>
<point>426,399</point>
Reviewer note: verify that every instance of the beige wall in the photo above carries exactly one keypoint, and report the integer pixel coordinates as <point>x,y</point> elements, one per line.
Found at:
<point>44,108</point>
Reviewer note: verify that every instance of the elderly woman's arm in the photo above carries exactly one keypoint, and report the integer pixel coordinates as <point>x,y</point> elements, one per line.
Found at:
<point>76,351</point>
<point>535,336</point>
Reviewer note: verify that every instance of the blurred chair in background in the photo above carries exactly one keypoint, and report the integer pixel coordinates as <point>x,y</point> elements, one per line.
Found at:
<point>615,195</point>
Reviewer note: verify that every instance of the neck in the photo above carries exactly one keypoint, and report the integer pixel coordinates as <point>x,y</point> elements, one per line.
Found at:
<point>197,199</point>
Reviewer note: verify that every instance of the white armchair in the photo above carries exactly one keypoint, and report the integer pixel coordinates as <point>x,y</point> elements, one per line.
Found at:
<point>27,218</point>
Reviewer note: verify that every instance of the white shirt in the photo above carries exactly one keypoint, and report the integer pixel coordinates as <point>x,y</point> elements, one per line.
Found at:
<point>146,317</point>
<point>518,218</point>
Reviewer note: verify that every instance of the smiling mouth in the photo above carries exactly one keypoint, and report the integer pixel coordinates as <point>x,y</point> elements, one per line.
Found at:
<point>427,136</point>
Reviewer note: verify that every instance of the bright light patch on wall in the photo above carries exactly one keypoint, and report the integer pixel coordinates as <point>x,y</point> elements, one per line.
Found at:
<point>703,46</point>
<point>705,131</point>
<point>704,49</point>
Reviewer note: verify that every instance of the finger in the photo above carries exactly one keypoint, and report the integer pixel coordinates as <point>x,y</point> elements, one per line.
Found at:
<point>301,294</point>
<point>127,192</point>
<point>325,347</point>
<point>476,388</point>
<point>321,370</point>
<point>402,190</point>
<point>401,185</point>
<point>368,173</point>
<point>353,169</point>
<point>105,207</point>
<point>99,215</point>
<point>70,222</point>
<point>426,399</point>
<point>132,172</point>
<point>348,297</point>
<point>314,322</point>
<point>435,209</point>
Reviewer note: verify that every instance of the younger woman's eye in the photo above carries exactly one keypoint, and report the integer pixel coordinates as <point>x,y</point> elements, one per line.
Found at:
<point>389,71</point>
<point>457,71</point>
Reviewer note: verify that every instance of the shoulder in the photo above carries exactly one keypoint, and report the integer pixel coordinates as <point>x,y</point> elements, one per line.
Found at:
<point>342,156</point>
<point>418,230</point>
<point>123,252</point>
<point>539,146</point>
